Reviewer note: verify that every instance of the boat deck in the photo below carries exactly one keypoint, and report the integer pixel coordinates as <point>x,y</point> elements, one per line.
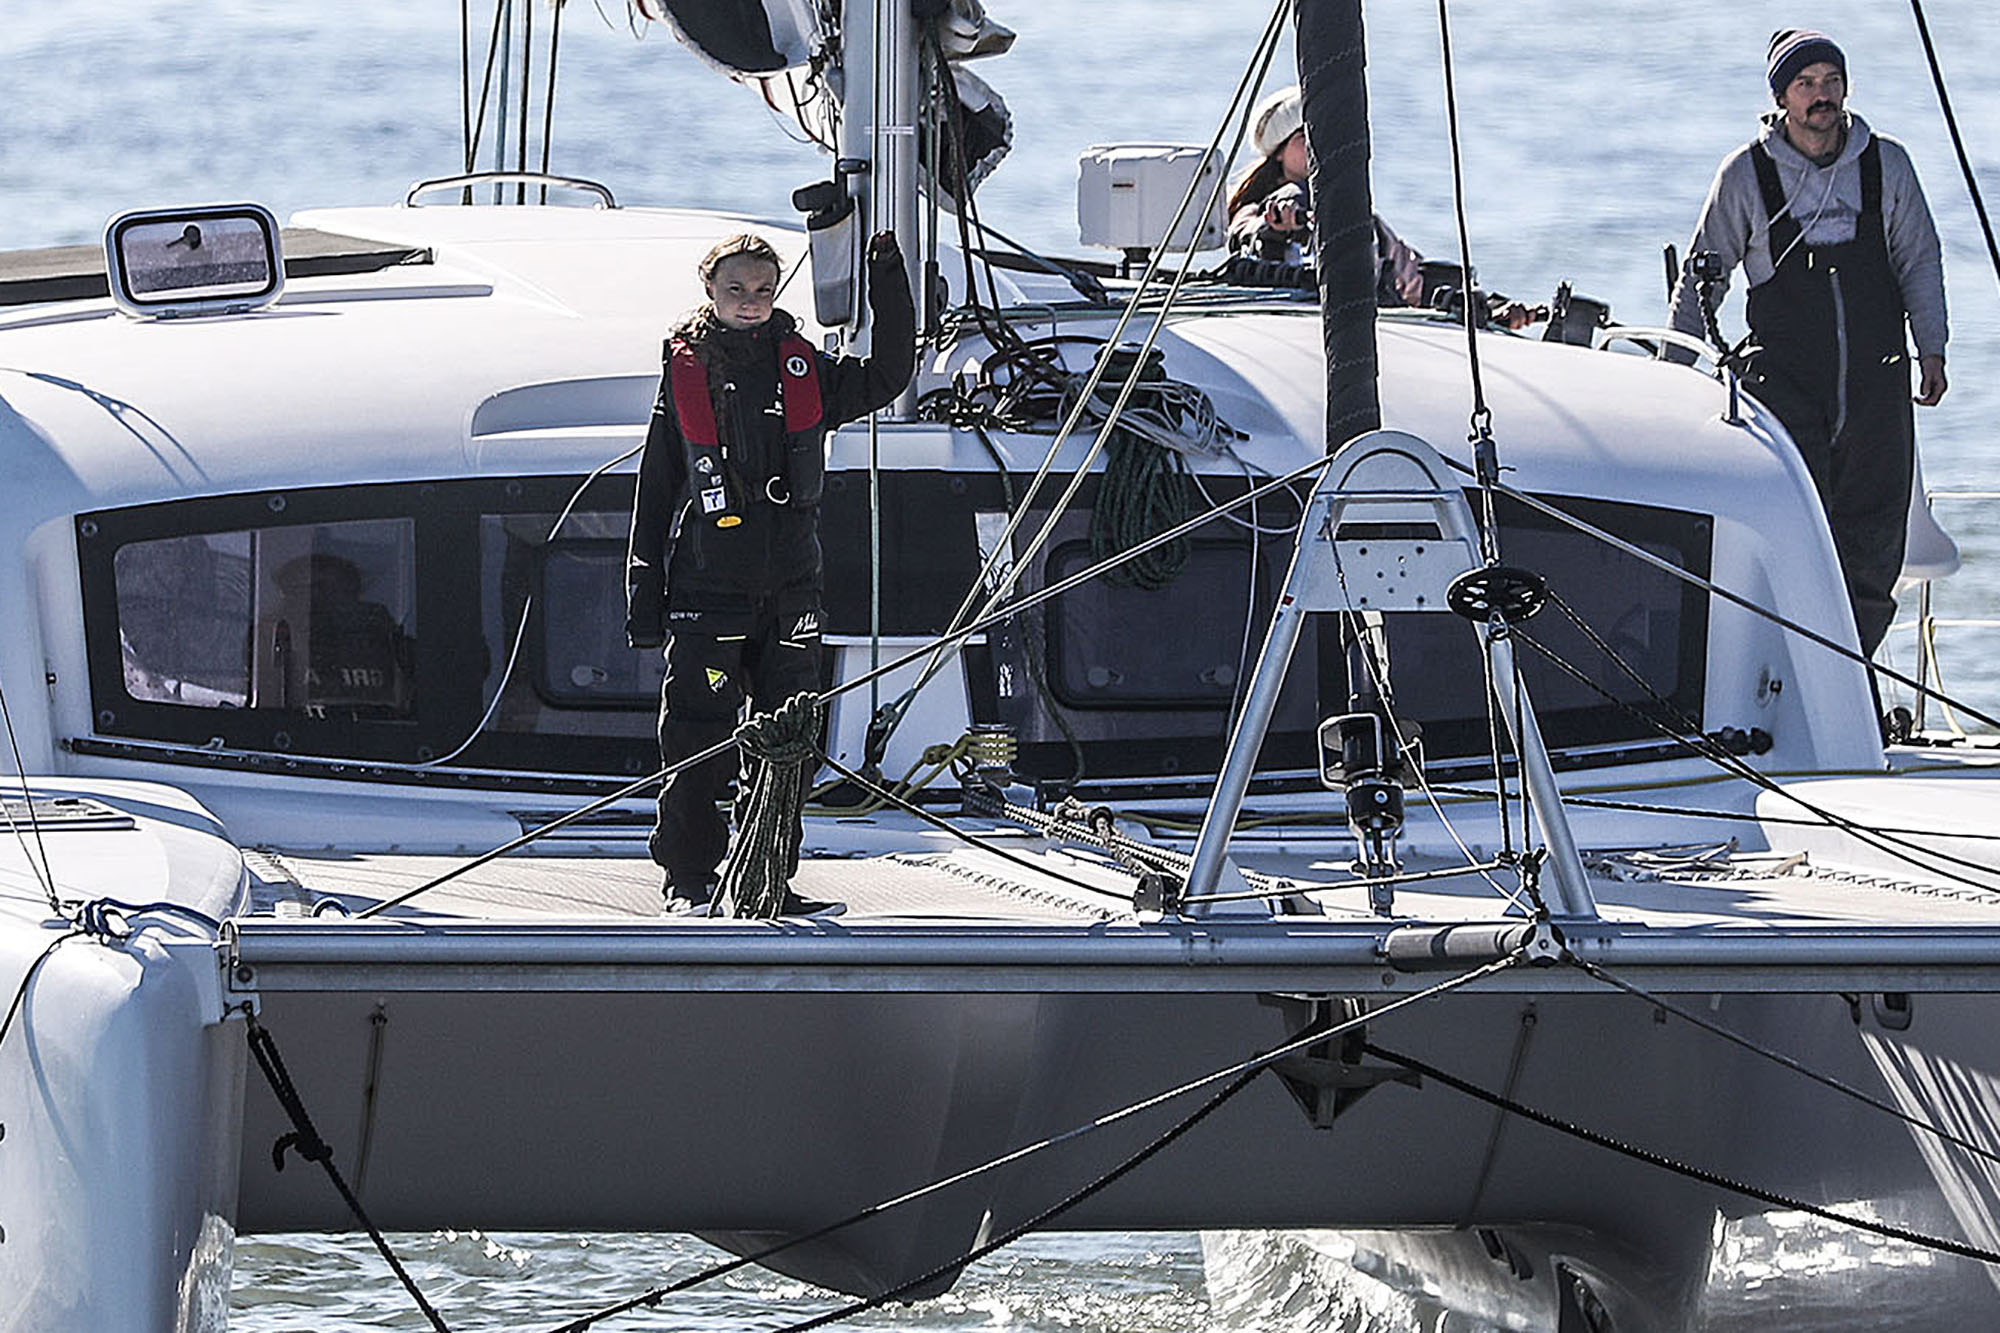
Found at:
<point>1022,879</point>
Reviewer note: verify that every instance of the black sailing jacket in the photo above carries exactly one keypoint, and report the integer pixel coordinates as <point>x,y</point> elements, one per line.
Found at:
<point>679,557</point>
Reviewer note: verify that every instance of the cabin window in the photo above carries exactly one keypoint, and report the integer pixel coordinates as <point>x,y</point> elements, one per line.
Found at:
<point>374,623</point>
<point>317,618</point>
<point>573,666</point>
<point>1186,645</point>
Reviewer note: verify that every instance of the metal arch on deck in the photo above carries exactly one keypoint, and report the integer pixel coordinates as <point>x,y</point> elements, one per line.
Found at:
<point>1388,529</point>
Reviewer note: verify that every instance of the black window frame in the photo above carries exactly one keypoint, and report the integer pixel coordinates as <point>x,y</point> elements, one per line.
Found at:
<point>449,682</point>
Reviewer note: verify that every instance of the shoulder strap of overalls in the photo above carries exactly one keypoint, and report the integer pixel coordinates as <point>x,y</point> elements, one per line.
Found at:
<point>1784,227</point>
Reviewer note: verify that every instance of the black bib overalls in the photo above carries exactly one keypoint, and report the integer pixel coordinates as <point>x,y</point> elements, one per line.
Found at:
<point>1834,365</point>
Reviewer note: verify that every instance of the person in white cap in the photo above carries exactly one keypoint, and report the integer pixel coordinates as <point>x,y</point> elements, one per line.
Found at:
<point>1837,244</point>
<point>1270,214</point>
<point>1270,210</point>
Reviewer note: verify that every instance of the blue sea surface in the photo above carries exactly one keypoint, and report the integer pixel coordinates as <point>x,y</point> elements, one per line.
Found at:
<point>1590,133</point>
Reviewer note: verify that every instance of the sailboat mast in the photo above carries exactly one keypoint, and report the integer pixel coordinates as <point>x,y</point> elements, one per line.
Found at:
<point>1333,84</point>
<point>878,128</point>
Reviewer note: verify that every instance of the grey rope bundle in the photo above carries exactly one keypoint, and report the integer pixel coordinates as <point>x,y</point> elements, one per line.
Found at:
<point>780,751</point>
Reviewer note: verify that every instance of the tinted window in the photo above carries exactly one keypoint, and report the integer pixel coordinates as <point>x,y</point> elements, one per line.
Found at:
<point>315,618</point>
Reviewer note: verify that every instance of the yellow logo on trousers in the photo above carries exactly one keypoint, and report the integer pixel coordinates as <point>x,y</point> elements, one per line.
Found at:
<point>717,679</point>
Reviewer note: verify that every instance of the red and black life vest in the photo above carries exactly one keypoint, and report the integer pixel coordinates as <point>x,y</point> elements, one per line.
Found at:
<point>798,386</point>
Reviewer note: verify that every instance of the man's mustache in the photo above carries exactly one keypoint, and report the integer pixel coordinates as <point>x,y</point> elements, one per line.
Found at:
<point>1822,106</point>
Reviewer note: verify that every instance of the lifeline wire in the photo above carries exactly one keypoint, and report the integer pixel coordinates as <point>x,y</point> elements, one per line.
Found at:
<point>632,788</point>
<point>1738,816</point>
<point>1709,586</point>
<point>1242,1069</point>
<point>1676,1167</point>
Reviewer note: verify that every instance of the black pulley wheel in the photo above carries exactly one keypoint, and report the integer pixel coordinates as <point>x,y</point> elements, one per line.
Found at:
<point>1513,594</point>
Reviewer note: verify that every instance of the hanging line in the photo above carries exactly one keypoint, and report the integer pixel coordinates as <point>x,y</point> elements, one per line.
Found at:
<point>1675,1166</point>
<point>1957,141</point>
<point>1486,458</point>
<point>1237,1075</point>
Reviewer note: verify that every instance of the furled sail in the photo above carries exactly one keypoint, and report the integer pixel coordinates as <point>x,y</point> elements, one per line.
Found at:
<point>743,37</point>
<point>789,51</point>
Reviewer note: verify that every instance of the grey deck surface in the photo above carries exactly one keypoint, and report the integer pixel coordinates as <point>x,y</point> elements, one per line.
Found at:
<point>954,884</point>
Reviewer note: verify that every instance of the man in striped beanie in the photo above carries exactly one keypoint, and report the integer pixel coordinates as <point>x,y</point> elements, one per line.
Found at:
<point>1835,239</point>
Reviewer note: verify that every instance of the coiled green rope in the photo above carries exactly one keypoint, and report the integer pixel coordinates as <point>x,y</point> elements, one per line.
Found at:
<point>1145,491</point>
<point>781,752</point>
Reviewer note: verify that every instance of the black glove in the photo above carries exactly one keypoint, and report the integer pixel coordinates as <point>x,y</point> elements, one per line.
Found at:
<point>882,248</point>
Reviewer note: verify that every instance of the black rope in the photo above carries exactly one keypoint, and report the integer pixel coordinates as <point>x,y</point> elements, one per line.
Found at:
<point>1689,735</point>
<point>1717,590</point>
<point>549,92</point>
<point>1780,1058</point>
<point>1041,1219</point>
<point>1244,1070</point>
<point>305,1140</point>
<point>28,977</point>
<point>1677,1167</point>
<point>1485,456</point>
<point>527,90</point>
<point>485,91</point>
<point>1957,140</point>
<point>1144,490</point>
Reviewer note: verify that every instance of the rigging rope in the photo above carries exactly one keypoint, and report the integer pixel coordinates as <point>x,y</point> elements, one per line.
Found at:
<point>1677,1167</point>
<point>1709,586</point>
<point>1690,736</point>
<point>1957,140</point>
<point>954,639</point>
<point>1240,1072</point>
<point>1485,456</point>
<point>1144,490</point>
<point>305,1140</point>
<point>887,797</point>
<point>1780,1058</point>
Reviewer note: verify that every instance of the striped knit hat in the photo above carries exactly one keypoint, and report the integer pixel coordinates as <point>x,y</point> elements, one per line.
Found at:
<point>1792,49</point>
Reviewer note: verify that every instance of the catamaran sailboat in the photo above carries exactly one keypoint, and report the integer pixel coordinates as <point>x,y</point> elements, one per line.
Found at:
<point>1239,826</point>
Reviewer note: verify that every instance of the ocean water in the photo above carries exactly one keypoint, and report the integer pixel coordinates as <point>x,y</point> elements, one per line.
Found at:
<point>1590,133</point>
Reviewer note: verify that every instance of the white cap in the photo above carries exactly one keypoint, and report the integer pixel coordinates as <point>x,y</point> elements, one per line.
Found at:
<point>1276,119</point>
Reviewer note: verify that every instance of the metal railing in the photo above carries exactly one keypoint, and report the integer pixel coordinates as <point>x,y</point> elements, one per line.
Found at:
<point>1927,624</point>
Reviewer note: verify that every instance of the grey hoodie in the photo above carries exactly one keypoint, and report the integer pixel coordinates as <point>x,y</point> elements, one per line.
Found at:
<point>1825,201</point>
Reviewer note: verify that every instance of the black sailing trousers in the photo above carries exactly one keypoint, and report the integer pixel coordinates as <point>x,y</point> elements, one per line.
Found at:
<point>763,650</point>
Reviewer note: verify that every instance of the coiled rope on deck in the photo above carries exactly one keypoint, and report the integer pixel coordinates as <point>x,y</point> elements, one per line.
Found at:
<point>781,750</point>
